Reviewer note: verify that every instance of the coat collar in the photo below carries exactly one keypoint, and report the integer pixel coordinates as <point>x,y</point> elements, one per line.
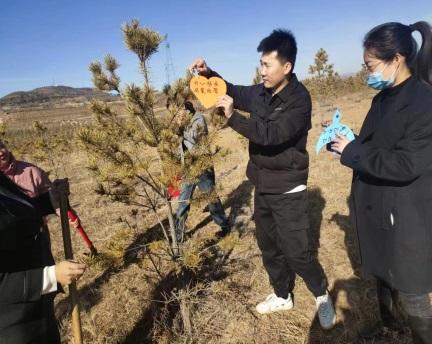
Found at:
<point>374,117</point>
<point>285,93</point>
<point>9,190</point>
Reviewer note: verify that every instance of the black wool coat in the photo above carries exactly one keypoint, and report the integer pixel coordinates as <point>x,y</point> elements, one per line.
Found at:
<point>26,316</point>
<point>392,187</point>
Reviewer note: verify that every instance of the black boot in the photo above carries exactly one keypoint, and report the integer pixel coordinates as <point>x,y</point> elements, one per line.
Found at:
<point>421,329</point>
<point>388,305</point>
<point>390,324</point>
<point>378,333</point>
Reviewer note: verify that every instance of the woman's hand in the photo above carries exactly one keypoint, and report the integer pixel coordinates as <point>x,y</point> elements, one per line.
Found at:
<point>339,143</point>
<point>67,272</point>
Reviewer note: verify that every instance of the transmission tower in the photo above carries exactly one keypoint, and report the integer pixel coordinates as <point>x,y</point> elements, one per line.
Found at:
<point>169,65</point>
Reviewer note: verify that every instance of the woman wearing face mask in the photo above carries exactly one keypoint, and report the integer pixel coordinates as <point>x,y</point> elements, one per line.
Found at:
<point>392,175</point>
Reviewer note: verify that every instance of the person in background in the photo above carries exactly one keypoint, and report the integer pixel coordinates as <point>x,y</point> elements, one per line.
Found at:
<point>192,133</point>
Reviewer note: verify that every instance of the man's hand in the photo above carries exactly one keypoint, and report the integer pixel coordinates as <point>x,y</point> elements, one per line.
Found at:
<point>200,66</point>
<point>67,272</point>
<point>227,104</point>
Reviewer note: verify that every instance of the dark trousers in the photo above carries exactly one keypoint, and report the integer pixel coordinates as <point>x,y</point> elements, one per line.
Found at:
<point>418,307</point>
<point>282,231</point>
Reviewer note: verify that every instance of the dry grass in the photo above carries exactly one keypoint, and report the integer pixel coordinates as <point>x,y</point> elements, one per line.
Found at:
<point>133,294</point>
<point>68,114</point>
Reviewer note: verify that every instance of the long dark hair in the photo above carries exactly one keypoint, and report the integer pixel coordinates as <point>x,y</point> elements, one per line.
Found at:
<point>386,40</point>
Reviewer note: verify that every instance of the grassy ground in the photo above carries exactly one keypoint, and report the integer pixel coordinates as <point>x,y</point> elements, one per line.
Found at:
<point>128,298</point>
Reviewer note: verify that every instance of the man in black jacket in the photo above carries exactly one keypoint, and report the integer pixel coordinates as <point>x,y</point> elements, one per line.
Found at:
<point>28,274</point>
<point>280,117</point>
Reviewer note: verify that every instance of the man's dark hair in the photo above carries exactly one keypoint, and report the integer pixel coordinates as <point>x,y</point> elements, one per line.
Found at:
<point>189,106</point>
<point>283,42</point>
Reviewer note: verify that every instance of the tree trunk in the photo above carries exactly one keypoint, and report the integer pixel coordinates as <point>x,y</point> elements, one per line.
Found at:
<point>185,313</point>
<point>174,243</point>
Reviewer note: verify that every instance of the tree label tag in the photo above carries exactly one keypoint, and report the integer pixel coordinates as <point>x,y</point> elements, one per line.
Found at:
<point>207,90</point>
<point>336,127</point>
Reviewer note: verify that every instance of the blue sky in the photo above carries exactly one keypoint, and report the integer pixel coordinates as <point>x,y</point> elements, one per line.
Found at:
<point>48,42</point>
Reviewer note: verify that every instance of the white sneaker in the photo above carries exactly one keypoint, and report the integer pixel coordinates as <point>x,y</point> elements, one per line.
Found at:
<point>326,312</point>
<point>274,303</point>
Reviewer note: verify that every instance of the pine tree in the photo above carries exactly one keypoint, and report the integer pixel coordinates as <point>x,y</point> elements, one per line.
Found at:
<point>324,80</point>
<point>135,158</point>
<point>257,78</point>
<point>324,76</point>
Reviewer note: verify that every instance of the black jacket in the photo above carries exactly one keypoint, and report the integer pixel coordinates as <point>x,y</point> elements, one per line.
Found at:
<point>25,315</point>
<point>392,186</point>
<point>277,131</point>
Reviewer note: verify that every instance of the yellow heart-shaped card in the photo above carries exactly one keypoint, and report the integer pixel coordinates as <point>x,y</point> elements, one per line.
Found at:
<point>207,90</point>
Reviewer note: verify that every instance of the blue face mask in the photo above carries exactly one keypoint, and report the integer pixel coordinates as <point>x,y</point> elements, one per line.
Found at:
<point>376,80</point>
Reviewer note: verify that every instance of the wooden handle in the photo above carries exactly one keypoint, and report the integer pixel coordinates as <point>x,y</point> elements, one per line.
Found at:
<point>67,242</point>
<point>76,317</point>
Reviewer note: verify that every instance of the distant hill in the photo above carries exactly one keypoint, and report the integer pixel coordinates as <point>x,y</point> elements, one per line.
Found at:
<point>52,95</point>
